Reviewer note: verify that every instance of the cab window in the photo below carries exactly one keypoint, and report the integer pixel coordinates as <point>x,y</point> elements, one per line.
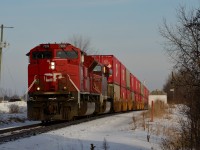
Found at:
<point>97,69</point>
<point>66,54</point>
<point>42,55</point>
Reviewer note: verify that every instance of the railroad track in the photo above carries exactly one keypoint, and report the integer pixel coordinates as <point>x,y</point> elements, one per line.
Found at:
<point>13,134</point>
<point>4,131</point>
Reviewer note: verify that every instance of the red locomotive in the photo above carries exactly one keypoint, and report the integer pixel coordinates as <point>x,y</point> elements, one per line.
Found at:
<point>64,82</point>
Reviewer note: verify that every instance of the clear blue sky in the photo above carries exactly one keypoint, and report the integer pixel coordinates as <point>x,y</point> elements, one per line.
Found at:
<point>127,29</point>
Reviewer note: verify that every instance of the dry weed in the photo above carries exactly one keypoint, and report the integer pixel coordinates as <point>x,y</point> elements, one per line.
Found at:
<point>13,109</point>
<point>16,119</point>
<point>134,124</point>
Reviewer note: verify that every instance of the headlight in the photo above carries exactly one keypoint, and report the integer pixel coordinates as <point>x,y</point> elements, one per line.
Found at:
<point>53,66</point>
<point>38,88</point>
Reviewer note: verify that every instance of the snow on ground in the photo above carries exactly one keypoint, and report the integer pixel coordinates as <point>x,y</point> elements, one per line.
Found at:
<point>8,119</point>
<point>116,130</point>
<point>119,132</point>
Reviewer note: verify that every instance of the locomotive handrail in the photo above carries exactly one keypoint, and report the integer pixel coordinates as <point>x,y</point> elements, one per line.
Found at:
<point>76,89</point>
<point>30,86</point>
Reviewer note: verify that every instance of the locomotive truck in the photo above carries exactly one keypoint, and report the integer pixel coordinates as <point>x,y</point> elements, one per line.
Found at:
<point>64,82</point>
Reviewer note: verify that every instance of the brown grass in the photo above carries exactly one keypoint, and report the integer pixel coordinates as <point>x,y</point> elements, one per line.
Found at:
<point>134,124</point>
<point>159,110</point>
<point>16,119</point>
<point>13,109</point>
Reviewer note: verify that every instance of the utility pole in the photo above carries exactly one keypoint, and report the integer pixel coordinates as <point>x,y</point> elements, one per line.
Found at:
<point>2,45</point>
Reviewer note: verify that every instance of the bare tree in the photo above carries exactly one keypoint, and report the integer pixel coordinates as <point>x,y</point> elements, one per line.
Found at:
<point>167,87</point>
<point>105,145</point>
<point>83,43</point>
<point>175,94</point>
<point>182,46</point>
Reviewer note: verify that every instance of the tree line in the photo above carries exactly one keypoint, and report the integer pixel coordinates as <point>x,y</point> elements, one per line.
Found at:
<point>182,44</point>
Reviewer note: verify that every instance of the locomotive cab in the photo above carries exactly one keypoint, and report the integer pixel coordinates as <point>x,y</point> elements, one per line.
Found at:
<point>50,65</point>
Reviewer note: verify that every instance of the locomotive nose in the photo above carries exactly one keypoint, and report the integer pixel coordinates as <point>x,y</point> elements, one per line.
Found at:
<point>52,88</point>
<point>51,109</point>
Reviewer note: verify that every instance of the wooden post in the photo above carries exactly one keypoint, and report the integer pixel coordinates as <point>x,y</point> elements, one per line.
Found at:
<point>152,111</point>
<point>92,147</point>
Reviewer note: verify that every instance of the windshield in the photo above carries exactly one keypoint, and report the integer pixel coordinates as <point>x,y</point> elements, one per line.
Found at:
<point>66,54</point>
<point>42,55</point>
<point>97,68</point>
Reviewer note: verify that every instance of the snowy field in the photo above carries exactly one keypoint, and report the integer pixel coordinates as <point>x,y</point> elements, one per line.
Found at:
<point>116,132</point>
<point>8,119</point>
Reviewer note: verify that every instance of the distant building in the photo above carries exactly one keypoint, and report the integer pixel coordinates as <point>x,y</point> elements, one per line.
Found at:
<point>157,95</point>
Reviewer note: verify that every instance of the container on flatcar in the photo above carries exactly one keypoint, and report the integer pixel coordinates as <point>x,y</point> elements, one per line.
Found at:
<point>114,64</point>
<point>135,80</point>
<point>137,101</point>
<point>114,93</point>
<point>140,101</point>
<point>137,86</point>
<point>138,90</point>
<point>133,100</point>
<point>123,75</point>
<point>132,82</point>
<point>128,79</point>
<point>123,96</point>
<point>128,95</point>
<point>142,89</point>
<point>145,91</point>
<point>129,99</point>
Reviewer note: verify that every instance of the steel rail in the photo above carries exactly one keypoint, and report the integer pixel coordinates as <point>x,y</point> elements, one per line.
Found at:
<point>21,132</point>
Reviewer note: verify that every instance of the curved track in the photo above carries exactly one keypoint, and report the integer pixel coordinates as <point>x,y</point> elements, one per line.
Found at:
<point>32,130</point>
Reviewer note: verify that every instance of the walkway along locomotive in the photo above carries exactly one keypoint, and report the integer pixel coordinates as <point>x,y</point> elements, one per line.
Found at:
<point>65,82</point>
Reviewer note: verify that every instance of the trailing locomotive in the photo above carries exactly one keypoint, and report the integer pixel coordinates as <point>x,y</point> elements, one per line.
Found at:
<point>64,82</point>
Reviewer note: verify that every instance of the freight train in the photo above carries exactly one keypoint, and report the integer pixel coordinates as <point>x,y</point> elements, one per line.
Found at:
<point>64,82</point>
